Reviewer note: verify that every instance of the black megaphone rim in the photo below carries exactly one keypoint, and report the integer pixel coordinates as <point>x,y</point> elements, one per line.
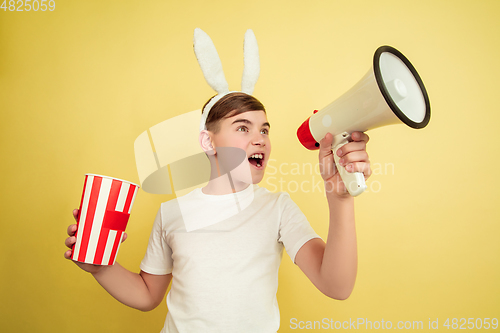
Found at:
<point>380,82</point>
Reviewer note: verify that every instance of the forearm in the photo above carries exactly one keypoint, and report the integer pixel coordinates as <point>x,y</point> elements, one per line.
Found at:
<point>127,287</point>
<point>340,259</point>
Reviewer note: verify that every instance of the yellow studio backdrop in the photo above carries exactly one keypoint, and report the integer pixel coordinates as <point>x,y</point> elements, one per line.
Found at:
<point>78,85</point>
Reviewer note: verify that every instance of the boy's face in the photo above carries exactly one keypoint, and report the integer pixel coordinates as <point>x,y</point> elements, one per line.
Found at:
<point>248,131</point>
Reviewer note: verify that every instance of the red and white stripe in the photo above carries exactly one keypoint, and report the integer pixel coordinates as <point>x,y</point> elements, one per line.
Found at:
<point>104,212</point>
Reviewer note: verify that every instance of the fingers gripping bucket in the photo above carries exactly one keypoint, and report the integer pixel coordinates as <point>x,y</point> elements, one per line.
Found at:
<point>104,212</point>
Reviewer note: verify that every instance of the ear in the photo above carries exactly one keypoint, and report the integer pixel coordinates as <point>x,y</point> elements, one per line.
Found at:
<point>251,69</point>
<point>209,61</point>
<point>206,142</point>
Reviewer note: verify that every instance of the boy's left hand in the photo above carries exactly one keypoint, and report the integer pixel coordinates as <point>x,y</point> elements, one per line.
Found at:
<point>353,157</point>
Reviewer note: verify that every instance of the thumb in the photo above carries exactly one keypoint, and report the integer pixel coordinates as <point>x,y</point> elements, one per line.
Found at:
<point>325,145</point>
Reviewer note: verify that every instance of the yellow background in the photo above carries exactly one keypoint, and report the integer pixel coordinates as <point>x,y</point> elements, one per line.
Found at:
<point>79,84</point>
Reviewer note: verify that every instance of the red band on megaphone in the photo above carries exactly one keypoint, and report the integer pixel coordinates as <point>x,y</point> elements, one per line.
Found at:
<point>305,136</point>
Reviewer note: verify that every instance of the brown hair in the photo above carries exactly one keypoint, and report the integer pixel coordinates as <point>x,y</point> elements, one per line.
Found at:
<point>230,105</point>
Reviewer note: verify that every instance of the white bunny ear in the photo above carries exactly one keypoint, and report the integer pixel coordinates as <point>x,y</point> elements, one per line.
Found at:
<point>251,69</point>
<point>209,61</point>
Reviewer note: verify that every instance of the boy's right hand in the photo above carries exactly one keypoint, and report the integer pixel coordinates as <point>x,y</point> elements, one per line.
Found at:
<point>70,242</point>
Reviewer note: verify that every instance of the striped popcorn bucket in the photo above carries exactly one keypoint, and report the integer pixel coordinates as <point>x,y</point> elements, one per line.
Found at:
<point>104,213</point>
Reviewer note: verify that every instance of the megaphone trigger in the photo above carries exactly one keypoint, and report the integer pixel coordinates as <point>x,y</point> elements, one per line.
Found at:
<point>353,181</point>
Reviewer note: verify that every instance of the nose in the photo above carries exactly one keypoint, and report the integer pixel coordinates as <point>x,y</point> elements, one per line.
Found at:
<point>258,140</point>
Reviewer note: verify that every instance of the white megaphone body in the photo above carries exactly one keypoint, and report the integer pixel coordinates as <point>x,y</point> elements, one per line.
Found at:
<point>390,93</point>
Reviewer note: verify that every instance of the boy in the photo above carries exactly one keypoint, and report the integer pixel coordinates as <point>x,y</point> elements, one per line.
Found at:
<point>224,274</point>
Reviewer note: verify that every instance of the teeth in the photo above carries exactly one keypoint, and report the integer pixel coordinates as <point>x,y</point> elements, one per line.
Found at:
<point>257,156</point>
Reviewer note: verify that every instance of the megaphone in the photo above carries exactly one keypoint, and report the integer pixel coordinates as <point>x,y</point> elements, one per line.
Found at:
<point>391,92</point>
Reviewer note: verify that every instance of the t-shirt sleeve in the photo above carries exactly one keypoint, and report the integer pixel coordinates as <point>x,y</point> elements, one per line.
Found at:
<point>295,229</point>
<point>158,258</point>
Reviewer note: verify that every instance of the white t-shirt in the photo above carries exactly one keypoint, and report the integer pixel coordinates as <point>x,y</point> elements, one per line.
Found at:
<point>225,275</point>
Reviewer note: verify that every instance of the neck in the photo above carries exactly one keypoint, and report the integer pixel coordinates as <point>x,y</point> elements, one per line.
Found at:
<point>223,185</point>
<point>221,182</point>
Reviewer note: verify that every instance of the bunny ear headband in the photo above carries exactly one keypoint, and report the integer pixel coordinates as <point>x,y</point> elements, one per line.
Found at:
<point>211,66</point>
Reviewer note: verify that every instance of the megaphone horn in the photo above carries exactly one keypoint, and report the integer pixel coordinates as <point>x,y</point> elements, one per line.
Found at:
<point>391,92</point>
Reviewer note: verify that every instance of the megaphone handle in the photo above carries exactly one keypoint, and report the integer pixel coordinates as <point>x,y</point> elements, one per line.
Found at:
<point>354,181</point>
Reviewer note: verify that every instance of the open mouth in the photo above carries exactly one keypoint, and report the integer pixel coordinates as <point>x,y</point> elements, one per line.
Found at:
<point>256,160</point>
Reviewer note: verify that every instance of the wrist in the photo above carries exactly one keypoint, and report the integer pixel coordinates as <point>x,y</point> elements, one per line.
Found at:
<point>334,197</point>
<point>341,209</point>
<point>96,270</point>
<point>335,190</point>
